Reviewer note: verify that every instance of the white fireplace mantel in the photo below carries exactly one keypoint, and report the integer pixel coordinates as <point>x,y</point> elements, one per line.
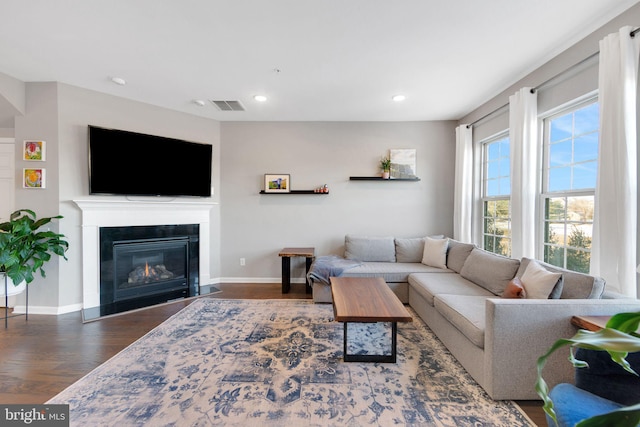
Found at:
<point>121,213</point>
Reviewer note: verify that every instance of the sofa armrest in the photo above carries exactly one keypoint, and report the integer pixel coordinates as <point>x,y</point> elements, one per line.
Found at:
<point>518,331</point>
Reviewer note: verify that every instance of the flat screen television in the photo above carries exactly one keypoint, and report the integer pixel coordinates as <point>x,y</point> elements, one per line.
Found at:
<point>129,163</point>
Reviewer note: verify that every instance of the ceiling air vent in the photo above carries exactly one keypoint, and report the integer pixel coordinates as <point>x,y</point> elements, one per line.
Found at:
<point>229,105</point>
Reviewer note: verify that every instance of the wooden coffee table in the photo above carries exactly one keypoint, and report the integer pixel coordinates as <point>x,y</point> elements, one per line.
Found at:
<point>367,300</point>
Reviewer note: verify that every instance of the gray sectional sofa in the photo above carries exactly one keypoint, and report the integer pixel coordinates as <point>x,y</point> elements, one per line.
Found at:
<point>497,340</point>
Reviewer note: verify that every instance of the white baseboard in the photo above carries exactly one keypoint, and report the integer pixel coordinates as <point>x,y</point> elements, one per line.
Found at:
<point>54,311</point>
<point>256,280</point>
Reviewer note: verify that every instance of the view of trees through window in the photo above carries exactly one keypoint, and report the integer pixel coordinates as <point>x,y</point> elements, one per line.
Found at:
<point>571,170</point>
<point>496,230</point>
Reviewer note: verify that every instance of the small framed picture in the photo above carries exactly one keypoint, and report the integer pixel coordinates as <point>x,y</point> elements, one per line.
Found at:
<point>34,151</point>
<point>277,183</point>
<point>33,178</point>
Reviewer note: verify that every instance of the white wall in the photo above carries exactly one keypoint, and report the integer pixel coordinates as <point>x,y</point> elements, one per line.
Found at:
<point>256,227</point>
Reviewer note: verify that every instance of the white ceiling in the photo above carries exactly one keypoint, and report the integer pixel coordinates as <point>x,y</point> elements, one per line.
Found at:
<point>322,60</point>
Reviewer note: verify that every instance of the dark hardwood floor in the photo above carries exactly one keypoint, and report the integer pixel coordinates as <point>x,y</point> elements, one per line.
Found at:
<point>44,355</point>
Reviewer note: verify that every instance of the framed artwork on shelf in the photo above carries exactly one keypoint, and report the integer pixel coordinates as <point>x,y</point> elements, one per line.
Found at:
<point>33,178</point>
<point>403,163</point>
<point>34,151</point>
<point>277,183</point>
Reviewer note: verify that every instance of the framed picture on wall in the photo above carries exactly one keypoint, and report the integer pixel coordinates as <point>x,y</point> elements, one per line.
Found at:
<point>33,178</point>
<point>277,183</point>
<point>34,151</point>
<point>403,163</point>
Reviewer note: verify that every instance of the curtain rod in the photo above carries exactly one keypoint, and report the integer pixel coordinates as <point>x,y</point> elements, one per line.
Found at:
<point>632,34</point>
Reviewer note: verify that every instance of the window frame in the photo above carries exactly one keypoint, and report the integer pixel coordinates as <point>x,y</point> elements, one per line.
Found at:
<point>484,198</point>
<point>545,194</point>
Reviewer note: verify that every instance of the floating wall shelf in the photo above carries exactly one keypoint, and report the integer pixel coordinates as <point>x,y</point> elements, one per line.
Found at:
<point>379,178</point>
<point>296,192</point>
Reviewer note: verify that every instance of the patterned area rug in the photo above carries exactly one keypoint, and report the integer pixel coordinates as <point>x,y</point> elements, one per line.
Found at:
<point>277,363</point>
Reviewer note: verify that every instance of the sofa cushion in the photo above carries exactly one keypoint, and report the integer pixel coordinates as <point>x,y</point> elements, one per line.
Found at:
<point>466,313</point>
<point>540,283</point>
<point>457,254</point>
<point>435,252</point>
<point>574,285</point>
<point>514,289</point>
<point>431,284</point>
<point>409,250</point>
<point>391,272</point>
<point>491,271</point>
<point>363,248</point>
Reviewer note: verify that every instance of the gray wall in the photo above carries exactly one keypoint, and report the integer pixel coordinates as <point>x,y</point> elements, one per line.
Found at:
<point>256,227</point>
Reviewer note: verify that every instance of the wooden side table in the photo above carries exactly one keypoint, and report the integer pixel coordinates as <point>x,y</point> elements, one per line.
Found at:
<point>286,254</point>
<point>590,323</point>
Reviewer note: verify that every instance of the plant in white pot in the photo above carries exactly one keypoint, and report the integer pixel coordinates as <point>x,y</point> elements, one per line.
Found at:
<point>25,248</point>
<point>385,165</point>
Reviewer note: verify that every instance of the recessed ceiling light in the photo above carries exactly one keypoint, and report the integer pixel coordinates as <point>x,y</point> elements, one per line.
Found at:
<point>399,98</point>
<point>199,102</point>
<point>260,98</point>
<point>119,81</point>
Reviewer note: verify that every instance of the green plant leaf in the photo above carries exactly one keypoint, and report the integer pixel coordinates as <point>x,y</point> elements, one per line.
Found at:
<point>616,343</point>
<point>25,249</point>
<point>623,417</point>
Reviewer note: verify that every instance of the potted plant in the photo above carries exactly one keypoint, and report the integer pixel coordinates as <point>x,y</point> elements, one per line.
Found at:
<point>618,338</point>
<point>25,248</point>
<point>385,165</point>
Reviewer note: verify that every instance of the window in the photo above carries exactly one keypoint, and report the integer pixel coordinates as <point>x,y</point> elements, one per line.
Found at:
<point>570,170</point>
<point>496,180</point>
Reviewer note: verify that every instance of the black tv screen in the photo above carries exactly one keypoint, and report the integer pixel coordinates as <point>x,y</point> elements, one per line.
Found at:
<point>129,163</point>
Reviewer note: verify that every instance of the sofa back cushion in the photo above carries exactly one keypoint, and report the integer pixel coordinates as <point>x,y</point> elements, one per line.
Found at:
<point>457,254</point>
<point>491,271</point>
<point>409,250</point>
<point>574,285</point>
<point>365,248</point>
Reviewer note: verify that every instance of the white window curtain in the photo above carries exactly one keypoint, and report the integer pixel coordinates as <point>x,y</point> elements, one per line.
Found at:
<point>613,254</point>
<point>463,191</point>
<point>523,131</point>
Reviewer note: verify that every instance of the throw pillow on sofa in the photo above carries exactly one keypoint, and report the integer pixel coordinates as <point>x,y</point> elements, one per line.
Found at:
<point>435,252</point>
<point>514,289</point>
<point>540,283</point>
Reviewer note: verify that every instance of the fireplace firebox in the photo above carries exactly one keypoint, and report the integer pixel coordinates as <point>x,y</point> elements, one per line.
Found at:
<point>147,265</point>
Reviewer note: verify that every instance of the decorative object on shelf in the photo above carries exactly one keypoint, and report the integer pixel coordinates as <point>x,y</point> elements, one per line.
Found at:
<point>378,178</point>
<point>33,178</point>
<point>297,192</point>
<point>403,163</point>
<point>385,165</point>
<point>24,248</point>
<point>322,189</point>
<point>34,151</point>
<point>277,183</point>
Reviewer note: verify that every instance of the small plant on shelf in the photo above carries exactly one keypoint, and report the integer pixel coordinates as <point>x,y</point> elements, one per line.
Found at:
<point>385,164</point>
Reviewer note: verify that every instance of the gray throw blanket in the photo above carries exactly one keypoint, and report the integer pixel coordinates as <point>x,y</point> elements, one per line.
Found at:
<point>327,266</point>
